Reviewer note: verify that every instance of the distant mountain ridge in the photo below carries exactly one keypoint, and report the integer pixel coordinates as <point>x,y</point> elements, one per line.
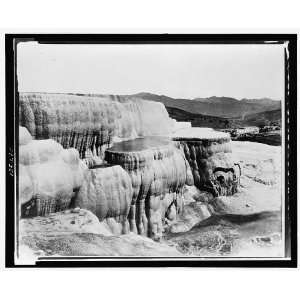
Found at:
<point>215,99</point>
<point>224,107</point>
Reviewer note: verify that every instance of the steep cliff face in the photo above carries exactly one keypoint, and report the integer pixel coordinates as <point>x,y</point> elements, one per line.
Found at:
<point>158,172</point>
<point>90,124</point>
<point>209,155</point>
<point>48,175</point>
<point>107,192</point>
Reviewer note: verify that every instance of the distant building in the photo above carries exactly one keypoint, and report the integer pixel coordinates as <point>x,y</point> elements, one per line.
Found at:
<point>269,128</point>
<point>244,130</point>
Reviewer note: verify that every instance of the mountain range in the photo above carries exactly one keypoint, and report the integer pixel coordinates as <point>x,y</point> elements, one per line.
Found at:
<point>224,107</point>
<point>219,112</point>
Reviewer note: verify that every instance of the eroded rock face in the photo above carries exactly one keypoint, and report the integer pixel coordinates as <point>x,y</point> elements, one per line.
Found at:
<point>107,192</point>
<point>49,175</point>
<point>209,155</point>
<point>158,172</point>
<point>91,124</point>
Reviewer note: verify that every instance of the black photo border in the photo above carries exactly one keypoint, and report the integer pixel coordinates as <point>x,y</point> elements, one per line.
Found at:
<point>11,40</point>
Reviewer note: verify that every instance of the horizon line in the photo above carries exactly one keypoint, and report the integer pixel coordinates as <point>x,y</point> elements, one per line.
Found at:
<point>150,93</point>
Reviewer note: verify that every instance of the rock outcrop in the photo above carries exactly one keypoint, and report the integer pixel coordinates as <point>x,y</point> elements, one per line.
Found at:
<point>49,176</point>
<point>158,171</point>
<point>91,124</point>
<point>209,155</point>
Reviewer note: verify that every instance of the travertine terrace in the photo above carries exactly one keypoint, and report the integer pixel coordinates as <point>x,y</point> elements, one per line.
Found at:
<point>124,160</point>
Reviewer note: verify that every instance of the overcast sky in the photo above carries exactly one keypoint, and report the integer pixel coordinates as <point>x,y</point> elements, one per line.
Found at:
<point>179,71</point>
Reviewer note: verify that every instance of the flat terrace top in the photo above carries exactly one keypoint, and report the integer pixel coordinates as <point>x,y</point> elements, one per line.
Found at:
<point>62,97</point>
<point>141,144</point>
<point>198,133</point>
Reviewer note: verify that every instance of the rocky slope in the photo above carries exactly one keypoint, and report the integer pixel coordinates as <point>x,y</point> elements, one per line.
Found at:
<point>200,120</point>
<point>264,118</point>
<point>272,117</point>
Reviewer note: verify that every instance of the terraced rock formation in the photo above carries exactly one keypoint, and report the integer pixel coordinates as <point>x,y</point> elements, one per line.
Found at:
<point>209,155</point>
<point>107,192</point>
<point>158,172</point>
<point>49,176</point>
<point>139,160</point>
<point>91,124</point>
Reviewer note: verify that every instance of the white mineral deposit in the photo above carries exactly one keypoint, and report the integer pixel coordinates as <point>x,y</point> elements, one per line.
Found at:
<point>167,182</point>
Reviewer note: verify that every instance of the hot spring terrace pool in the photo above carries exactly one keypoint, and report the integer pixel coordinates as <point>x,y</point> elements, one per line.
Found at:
<point>141,144</point>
